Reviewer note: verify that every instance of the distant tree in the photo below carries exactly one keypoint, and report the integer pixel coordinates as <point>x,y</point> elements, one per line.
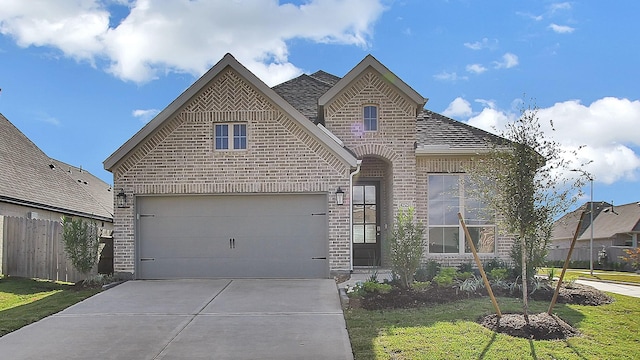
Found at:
<point>406,246</point>
<point>81,243</point>
<point>524,181</point>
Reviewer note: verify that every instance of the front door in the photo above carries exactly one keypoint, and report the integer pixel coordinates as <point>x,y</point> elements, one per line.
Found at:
<point>366,224</point>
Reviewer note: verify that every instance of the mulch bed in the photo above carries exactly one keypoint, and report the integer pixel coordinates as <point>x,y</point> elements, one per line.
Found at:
<point>540,327</point>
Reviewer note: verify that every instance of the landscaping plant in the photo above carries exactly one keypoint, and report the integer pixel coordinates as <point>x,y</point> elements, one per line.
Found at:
<point>633,258</point>
<point>406,246</point>
<point>81,243</point>
<point>522,180</point>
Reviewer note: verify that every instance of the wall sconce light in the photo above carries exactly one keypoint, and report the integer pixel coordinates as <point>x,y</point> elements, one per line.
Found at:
<point>121,199</point>
<point>340,196</point>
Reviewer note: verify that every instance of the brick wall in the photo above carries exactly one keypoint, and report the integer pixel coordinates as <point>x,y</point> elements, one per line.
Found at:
<point>281,157</point>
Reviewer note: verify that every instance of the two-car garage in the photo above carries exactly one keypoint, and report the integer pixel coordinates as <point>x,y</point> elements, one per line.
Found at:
<point>232,236</point>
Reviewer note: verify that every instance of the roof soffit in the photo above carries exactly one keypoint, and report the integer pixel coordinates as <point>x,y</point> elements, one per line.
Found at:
<point>227,61</point>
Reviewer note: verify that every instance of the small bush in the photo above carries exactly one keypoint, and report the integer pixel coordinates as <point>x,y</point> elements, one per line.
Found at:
<point>632,258</point>
<point>495,263</point>
<point>498,274</point>
<point>406,245</point>
<point>420,285</point>
<point>376,287</point>
<point>427,271</point>
<point>445,277</point>
<point>464,275</point>
<point>471,284</point>
<point>465,267</point>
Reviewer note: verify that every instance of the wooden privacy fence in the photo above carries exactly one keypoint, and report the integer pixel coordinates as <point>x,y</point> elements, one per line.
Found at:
<point>33,248</point>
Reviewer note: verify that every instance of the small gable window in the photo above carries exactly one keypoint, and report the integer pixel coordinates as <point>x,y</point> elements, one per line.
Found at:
<point>237,133</point>
<point>370,118</point>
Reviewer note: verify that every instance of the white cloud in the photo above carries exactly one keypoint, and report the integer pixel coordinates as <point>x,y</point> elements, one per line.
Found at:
<point>561,29</point>
<point>459,107</point>
<point>145,115</point>
<point>157,37</point>
<point>485,43</point>
<point>446,76</point>
<point>509,60</point>
<point>608,128</point>
<point>559,6</point>
<point>476,68</point>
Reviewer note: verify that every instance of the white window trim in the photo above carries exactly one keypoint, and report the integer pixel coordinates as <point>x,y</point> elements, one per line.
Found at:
<point>461,233</point>
<point>230,136</point>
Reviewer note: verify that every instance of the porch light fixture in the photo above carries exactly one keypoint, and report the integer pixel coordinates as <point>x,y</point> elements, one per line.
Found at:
<point>340,196</point>
<point>121,199</point>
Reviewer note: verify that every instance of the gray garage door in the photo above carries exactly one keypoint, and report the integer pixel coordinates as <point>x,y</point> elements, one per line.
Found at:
<point>274,236</point>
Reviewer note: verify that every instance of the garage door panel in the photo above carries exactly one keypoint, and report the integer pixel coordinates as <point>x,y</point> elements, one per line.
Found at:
<point>232,236</point>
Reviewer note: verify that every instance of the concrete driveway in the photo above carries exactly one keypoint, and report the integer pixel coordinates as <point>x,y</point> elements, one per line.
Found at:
<point>193,319</point>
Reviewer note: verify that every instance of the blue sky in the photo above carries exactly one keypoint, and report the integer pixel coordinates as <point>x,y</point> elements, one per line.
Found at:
<point>80,77</point>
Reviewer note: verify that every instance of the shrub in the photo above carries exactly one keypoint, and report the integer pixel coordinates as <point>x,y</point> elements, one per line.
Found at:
<point>420,285</point>
<point>465,267</point>
<point>498,274</point>
<point>464,275</point>
<point>376,287</point>
<point>406,246</point>
<point>632,258</point>
<point>81,243</point>
<point>445,277</point>
<point>471,284</point>
<point>427,271</point>
<point>495,263</point>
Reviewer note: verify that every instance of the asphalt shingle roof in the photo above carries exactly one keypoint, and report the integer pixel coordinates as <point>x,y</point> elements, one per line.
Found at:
<point>30,177</point>
<point>432,129</point>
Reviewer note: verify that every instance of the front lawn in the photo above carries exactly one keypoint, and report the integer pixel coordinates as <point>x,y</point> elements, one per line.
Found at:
<point>23,301</point>
<point>450,331</point>
<point>597,275</point>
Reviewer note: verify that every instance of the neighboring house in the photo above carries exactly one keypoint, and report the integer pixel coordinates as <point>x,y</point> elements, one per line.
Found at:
<point>236,179</point>
<point>614,228</point>
<point>33,185</point>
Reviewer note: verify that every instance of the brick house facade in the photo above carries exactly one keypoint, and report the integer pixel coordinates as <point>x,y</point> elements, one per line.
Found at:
<point>231,158</point>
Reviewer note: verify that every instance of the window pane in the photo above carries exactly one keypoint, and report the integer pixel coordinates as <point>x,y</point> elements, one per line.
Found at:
<point>222,136</point>
<point>484,239</point>
<point>358,234</point>
<point>370,194</point>
<point>370,235</point>
<point>239,136</point>
<point>370,214</point>
<point>444,199</point>
<point>443,240</point>
<point>358,214</point>
<point>358,194</point>
<point>370,118</point>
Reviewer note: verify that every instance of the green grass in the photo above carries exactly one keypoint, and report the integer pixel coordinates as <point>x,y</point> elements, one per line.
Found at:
<point>23,301</point>
<point>597,275</point>
<point>450,331</point>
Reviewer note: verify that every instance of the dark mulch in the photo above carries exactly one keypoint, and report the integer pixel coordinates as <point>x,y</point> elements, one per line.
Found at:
<point>575,294</point>
<point>407,298</point>
<point>540,327</point>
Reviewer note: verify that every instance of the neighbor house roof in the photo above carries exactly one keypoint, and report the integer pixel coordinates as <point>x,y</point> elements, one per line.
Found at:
<point>29,177</point>
<point>229,61</point>
<point>304,91</point>
<point>618,219</point>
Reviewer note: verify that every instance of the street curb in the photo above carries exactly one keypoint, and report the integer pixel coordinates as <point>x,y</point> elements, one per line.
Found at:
<point>608,281</point>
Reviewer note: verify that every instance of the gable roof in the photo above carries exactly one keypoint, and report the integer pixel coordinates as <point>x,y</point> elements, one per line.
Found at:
<point>438,134</point>
<point>618,219</point>
<point>227,61</point>
<point>371,62</point>
<point>30,178</point>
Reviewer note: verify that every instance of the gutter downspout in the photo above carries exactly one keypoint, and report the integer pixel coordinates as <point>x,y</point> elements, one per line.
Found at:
<point>359,162</point>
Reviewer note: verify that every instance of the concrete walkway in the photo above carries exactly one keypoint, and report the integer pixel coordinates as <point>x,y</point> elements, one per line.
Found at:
<point>193,319</point>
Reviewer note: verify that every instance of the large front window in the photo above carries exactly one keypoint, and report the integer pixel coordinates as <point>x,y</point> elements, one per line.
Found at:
<point>448,196</point>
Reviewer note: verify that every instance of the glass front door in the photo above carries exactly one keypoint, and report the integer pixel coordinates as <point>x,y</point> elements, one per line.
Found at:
<point>366,224</point>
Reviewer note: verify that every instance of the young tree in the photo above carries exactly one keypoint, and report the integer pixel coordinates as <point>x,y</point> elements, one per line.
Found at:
<point>523,181</point>
<point>406,246</point>
<point>81,243</point>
